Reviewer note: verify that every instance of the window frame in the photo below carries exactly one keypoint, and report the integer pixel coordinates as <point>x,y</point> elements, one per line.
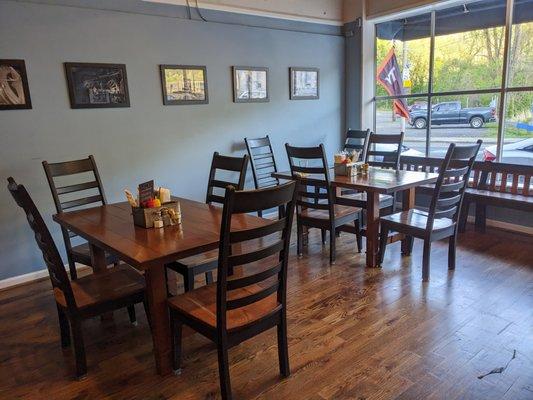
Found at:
<point>502,91</point>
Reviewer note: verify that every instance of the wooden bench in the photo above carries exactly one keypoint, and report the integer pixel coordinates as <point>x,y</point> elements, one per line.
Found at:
<point>498,185</point>
<point>491,184</point>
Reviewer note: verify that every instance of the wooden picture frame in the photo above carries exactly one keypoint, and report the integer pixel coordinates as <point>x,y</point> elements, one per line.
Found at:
<point>252,90</point>
<point>194,88</point>
<point>97,85</point>
<point>296,92</point>
<point>14,87</point>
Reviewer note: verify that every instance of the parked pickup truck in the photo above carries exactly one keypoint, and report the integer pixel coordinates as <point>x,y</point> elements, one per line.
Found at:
<point>450,113</point>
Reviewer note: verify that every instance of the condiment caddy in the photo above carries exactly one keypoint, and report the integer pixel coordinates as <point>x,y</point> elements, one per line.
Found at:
<point>347,164</point>
<point>153,208</point>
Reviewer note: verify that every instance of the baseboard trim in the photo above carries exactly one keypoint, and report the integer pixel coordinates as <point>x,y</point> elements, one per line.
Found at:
<point>24,279</point>
<point>506,226</point>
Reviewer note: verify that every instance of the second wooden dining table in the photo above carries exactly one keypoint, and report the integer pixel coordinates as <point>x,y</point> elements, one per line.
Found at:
<point>375,182</point>
<point>110,228</point>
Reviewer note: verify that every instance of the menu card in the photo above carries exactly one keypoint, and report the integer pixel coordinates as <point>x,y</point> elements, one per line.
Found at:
<point>146,191</point>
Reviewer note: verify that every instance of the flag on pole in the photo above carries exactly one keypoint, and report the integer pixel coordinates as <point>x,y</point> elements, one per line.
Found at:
<point>390,78</point>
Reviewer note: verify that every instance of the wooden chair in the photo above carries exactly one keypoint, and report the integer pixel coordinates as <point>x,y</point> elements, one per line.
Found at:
<point>316,201</point>
<point>205,263</point>
<point>238,308</point>
<point>387,159</point>
<point>263,164</point>
<point>85,297</point>
<point>67,197</point>
<point>441,221</point>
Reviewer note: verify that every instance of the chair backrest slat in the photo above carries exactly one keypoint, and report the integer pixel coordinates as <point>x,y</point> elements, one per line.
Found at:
<point>264,251</point>
<point>54,264</point>
<point>262,161</point>
<point>226,164</point>
<point>388,158</point>
<point>452,182</point>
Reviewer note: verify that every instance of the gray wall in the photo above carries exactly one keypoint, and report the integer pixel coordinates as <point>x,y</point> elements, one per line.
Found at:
<point>172,144</point>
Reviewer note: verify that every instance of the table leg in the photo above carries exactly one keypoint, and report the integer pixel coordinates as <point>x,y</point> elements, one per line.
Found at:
<point>156,294</point>
<point>372,229</point>
<point>98,261</point>
<point>408,202</point>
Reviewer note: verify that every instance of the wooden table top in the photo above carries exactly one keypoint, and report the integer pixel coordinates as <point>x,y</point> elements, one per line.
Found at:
<point>379,180</point>
<point>111,228</point>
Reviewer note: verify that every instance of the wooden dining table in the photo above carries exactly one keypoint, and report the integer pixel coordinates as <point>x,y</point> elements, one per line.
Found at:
<point>110,228</point>
<point>378,181</point>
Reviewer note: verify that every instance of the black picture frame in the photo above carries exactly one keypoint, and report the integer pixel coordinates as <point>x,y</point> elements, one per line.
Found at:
<point>9,68</point>
<point>237,97</point>
<point>166,101</point>
<point>77,81</point>
<point>292,82</point>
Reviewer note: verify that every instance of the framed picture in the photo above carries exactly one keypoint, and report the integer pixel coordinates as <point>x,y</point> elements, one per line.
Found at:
<point>14,89</point>
<point>97,85</point>
<point>250,85</point>
<point>304,83</point>
<point>184,84</point>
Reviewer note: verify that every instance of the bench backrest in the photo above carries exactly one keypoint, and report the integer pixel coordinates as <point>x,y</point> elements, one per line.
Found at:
<point>503,178</point>
<point>486,175</point>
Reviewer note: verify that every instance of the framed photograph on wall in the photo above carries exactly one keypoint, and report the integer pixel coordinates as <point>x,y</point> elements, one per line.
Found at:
<point>14,89</point>
<point>250,84</point>
<point>184,84</point>
<point>93,85</point>
<point>304,83</point>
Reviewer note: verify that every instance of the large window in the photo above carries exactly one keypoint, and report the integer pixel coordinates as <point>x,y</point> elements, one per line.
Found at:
<point>466,73</point>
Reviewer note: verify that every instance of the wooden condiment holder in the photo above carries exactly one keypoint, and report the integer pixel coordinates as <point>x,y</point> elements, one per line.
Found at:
<point>145,217</point>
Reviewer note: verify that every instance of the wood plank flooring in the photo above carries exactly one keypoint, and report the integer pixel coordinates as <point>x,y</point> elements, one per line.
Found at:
<point>354,333</point>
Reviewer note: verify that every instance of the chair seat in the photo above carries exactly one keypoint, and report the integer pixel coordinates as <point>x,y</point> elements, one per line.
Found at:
<point>115,283</point>
<point>415,219</point>
<point>200,305</point>
<point>359,199</point>
<point>340,212</point>
<point>82,254</point>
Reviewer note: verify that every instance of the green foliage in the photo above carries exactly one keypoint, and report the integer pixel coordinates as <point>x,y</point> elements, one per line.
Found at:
<point>468,60</point>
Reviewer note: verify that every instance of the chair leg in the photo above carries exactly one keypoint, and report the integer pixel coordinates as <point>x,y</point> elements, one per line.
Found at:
<point>131,313</point>
<point>451,251</point>
<point>464,216</point>
<point>358,237</point>
<point>299,239</point>
<point>147,312</point>
<point>64,327</point>
<point>260,214</point>
<point>209,277</point>
<point>188,280</point>
<point>281,212</point>
<point>409,247</point>
<point>323,234</point>
<point>332,250</point>
<point>425,260</point>
<point>383,238</point>
<point>72,267</point>
<point>176,331</point>
<point>223,371</point>
<point>283,348</point>
<point>79,349</point>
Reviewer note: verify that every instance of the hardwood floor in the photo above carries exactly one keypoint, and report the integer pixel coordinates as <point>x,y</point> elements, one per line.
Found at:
<point>354,333</point>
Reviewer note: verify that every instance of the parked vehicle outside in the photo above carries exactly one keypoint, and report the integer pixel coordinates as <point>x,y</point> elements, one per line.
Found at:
<point>520,152</point>
<point>452,113</point>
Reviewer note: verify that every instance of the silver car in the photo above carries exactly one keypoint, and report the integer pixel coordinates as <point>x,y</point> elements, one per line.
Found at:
<point>520,152</point>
